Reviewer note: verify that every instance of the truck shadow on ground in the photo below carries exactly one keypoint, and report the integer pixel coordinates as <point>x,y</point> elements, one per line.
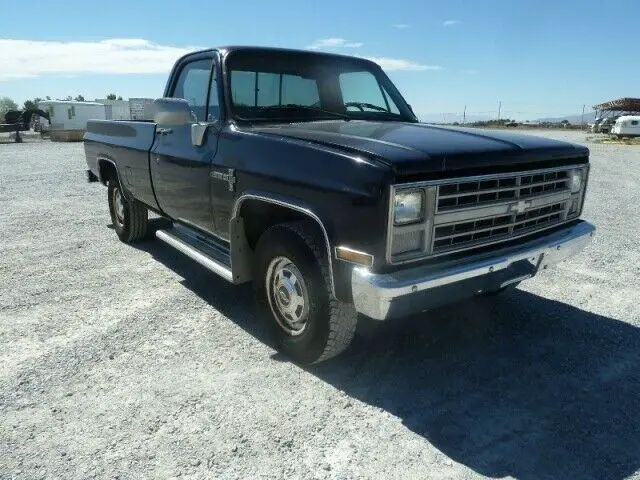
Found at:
<point>517,385</point>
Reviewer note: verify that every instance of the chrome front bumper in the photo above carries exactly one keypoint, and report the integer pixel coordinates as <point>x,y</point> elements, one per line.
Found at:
<point>384,296</point>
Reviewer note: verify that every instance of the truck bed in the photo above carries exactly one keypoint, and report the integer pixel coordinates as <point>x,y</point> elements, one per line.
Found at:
<point>125,144</point>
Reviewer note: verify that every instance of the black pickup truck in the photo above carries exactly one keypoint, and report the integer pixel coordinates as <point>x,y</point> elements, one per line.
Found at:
<point>309,174</point>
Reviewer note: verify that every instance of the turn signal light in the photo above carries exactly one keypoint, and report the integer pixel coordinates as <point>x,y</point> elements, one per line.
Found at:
<point>354,256</point>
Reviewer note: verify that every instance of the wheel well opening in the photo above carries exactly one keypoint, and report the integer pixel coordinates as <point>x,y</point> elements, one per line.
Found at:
<point>107,170</point>
<point>258,216</point>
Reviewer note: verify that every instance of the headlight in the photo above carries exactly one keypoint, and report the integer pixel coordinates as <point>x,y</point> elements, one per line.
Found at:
<point>577,185</point>
<point>575,180</point>
<point>408,207</point>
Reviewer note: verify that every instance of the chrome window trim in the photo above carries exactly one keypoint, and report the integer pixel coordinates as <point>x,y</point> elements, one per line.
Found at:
<point>431,215</point>
<point>293,206</point>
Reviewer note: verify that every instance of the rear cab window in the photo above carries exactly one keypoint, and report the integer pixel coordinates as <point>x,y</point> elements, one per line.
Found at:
<point>263,89</point>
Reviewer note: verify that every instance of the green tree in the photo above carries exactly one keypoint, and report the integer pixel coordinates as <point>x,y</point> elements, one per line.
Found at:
<point>48,97</point>
<point>6,104</point>
<point>29,105</point>
<point>119,97</point>
<point>79,98</point>
<point>111,96</point>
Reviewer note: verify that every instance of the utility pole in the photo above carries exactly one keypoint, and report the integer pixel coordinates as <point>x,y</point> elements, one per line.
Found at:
<point>464,115</point>
<point>582,117</point>
<point>499,108</point>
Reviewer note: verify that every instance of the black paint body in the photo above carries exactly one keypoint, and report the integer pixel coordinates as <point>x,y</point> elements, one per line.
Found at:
<point>341,170</point>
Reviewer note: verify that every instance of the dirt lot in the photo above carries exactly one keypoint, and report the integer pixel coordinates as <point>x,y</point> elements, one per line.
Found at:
<point>123,362</point>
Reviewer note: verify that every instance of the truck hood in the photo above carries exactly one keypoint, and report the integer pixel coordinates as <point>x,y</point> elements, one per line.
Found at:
<point>415,148</point>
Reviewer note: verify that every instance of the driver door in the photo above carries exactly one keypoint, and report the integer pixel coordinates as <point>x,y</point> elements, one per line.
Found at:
<point>180,170</point>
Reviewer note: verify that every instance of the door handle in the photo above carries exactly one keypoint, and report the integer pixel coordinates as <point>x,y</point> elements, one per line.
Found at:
<point>164,131</point>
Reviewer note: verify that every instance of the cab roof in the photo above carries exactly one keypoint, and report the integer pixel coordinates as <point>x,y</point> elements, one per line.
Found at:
<point>226,50</point>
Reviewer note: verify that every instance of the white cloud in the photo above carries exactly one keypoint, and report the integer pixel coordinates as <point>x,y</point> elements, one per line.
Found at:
<point>391,64</point>
<point>400,25</point>
<point>333,43</point>
<point>28,58</point>
<point>451,23</point>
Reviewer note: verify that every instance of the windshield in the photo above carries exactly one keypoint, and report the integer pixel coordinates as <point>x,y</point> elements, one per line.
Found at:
<point>295,86</point>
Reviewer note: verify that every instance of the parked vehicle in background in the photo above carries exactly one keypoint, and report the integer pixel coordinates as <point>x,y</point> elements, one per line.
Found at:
<point>308,174</point>
<point>17,121</point>
<point>627,126</point>
<point>605,124</point>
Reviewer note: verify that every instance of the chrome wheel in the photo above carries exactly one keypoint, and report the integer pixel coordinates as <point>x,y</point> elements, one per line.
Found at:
<point>288,295</point>
<point>118,205</point>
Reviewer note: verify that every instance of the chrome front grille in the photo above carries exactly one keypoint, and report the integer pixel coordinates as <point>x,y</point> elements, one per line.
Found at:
<point>472,212</point>
<point>474,232</point>
<point>481,192</point>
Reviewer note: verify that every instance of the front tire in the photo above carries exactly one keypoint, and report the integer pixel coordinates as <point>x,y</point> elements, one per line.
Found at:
<point>292,285</point>
<point>129,217</point>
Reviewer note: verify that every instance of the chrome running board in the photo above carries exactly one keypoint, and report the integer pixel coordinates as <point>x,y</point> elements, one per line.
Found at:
<point>206,251</point>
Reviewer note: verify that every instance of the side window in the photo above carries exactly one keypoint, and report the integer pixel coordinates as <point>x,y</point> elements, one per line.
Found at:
<point>634,122</point>
<point>193,84</point>
<point>213,112</point>
<point>363,87</point>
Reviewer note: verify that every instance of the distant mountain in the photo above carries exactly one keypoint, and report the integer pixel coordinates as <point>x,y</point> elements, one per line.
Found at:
<point>574,118</point>
<point>451,118</point>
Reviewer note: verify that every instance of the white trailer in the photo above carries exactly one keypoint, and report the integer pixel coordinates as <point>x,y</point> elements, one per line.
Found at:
<point>69,118</point>
<point>627,126</point>
<point>116,109</point>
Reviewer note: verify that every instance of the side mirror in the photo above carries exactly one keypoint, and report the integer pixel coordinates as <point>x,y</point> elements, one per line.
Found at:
<point>198,131</point>
<point>175,112</point>
<point>172,112</point>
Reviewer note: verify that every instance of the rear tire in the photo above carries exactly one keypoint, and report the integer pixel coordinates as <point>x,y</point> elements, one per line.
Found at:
<point>129,217</point>
<point>292,285</point>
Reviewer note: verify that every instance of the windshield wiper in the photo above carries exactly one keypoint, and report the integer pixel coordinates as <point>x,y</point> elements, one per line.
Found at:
<point>305,108</point>
<point>363,105</point>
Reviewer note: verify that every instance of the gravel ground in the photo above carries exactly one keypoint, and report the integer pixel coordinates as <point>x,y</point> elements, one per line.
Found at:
<point>134,362</point>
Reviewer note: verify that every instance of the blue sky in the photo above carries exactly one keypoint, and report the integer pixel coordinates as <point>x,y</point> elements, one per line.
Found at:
<point>539,58</point>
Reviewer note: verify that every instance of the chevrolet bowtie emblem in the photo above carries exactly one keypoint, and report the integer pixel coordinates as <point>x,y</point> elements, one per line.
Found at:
<point>228,177</point>
<point>520,207</point>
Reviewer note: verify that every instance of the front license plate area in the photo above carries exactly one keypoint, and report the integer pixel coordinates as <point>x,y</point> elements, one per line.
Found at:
<point>519,271</point>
